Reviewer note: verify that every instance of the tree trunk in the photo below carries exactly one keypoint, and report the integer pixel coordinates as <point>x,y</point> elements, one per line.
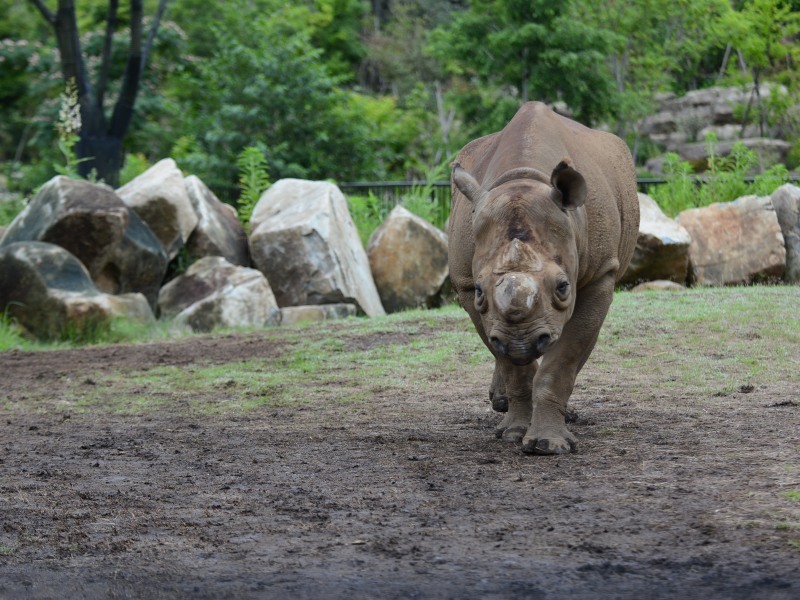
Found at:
<point>102,154</point>
<point>100,145</point>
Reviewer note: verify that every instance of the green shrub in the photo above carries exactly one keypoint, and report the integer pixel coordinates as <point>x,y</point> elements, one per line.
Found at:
<point>10,209</point>
<point>368,212</point>
<point>135,165</point>
<point>724,181</point>
<point>253,181</point>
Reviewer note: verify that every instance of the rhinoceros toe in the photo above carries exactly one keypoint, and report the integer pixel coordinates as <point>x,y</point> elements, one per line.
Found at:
<point>547,446</point>
<point>512,434</point>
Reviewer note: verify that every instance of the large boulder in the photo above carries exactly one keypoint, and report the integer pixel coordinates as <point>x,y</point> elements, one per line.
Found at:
<point>786,200</point>
<point>138,264</point>
<point>218,231</point>
<point>662,247</point>
<point>50,294</point>
<point>160,198</point>
<point>734,242</point>
<point>84,218</point>
<point>685,119</point>
<point>215,293</point>
<point>408,259</point>
<point>303,239</point>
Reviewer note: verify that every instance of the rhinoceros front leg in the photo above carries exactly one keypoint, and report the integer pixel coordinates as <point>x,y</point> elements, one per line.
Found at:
<point>555,378</point>
<point>517,382</point>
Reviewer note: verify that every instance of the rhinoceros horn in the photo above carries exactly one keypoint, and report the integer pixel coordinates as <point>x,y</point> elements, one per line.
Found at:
<point>515,295</point>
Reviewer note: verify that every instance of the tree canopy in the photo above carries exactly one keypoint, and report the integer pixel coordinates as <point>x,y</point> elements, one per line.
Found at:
<point>350,89</point>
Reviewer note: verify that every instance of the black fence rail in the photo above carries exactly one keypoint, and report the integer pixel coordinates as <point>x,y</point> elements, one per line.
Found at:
<point>392,192</point>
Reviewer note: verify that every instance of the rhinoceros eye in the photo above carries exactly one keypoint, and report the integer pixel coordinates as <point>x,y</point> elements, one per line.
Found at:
<point>480,299</point>
<point>562,289</point>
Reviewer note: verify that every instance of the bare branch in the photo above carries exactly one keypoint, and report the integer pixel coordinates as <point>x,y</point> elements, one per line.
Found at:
<point>46,12</point>
<point>162,6</point>
<point>108,44</point>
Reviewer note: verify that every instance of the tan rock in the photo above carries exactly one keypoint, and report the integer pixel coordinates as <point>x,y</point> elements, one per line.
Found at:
<point>408,259</point>
<point>160,198</point>
<point>662,247</point>
<point>303,239</point>
<point>734,242</point>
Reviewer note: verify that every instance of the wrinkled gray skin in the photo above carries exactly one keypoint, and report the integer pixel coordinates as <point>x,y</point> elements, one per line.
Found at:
<point>544,221</point>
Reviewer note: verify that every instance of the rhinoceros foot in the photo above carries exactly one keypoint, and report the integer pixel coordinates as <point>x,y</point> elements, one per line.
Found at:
<point>513,426</point>
<point>511,434</point>
<point>562,442</point>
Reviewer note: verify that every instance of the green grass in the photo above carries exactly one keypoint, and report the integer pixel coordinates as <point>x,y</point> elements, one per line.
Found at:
<point>700,344</point>
<point>706,340</point>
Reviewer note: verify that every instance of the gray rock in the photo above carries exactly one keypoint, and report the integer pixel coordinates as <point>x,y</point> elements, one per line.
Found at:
<point>84,218</point>
<point>218,231</point>
<point>160,198</point>
<point>786,200</point>
<point>734,242</point>
<point>215,293</point>
<point>769,151</point>
<point>303,239</point>
<point>316,312</point>
<point>662,247</point>
<point>138,264</point>
<point>51,295</point>
<point>408,259</point>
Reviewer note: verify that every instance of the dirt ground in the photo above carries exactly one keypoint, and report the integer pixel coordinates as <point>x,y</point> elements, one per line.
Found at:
<point>397,497</point>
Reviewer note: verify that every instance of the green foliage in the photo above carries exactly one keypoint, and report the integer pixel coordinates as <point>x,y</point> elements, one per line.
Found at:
<point>424,202</point>
<point>350,90</point>
<point>724,181</point>
<point>135,164</point>
<point>253,181</point>
<point>537,49</point>
<point>9,209</point>
<point>368,212</point>
<point>10,335</point>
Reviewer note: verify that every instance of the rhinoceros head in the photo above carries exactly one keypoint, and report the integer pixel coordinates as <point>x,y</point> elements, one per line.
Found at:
<point>525,264</point>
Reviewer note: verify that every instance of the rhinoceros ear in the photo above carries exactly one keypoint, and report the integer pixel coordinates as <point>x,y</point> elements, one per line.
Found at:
<point>467,184</point>
<point>569,186</point>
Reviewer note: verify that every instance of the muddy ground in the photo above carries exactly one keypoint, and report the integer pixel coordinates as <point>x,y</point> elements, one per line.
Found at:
<point>401,496</point>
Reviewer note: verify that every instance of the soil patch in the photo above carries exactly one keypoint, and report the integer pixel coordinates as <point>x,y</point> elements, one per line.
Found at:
<point>403,495</point>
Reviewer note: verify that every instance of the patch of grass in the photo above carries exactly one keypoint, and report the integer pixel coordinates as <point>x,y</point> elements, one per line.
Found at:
<point>793,495</point>
<point>708,341</point>
<point>697,345</point>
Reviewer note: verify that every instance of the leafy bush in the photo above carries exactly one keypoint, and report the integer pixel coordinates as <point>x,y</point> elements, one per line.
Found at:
<point>425,203</point>
<point>135,165</point>
<point>9,209</point>
<point>253,181</point>
<point>724,181</point>
<point>368,212</point>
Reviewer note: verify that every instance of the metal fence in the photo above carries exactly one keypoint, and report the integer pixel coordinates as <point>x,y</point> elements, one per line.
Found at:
<point>392,192</point>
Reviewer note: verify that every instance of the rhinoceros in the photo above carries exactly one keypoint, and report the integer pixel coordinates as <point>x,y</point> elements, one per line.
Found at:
<point>544,221</point>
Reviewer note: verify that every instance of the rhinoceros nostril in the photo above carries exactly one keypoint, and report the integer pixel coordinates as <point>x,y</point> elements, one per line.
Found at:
<point>499,346</point>
<point>542,343</point>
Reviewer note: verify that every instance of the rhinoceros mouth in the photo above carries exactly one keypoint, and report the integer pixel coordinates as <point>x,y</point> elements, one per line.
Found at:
<point>523,352</point>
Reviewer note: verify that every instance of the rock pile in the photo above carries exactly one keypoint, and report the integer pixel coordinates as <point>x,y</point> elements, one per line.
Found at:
<point>81,254</point>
